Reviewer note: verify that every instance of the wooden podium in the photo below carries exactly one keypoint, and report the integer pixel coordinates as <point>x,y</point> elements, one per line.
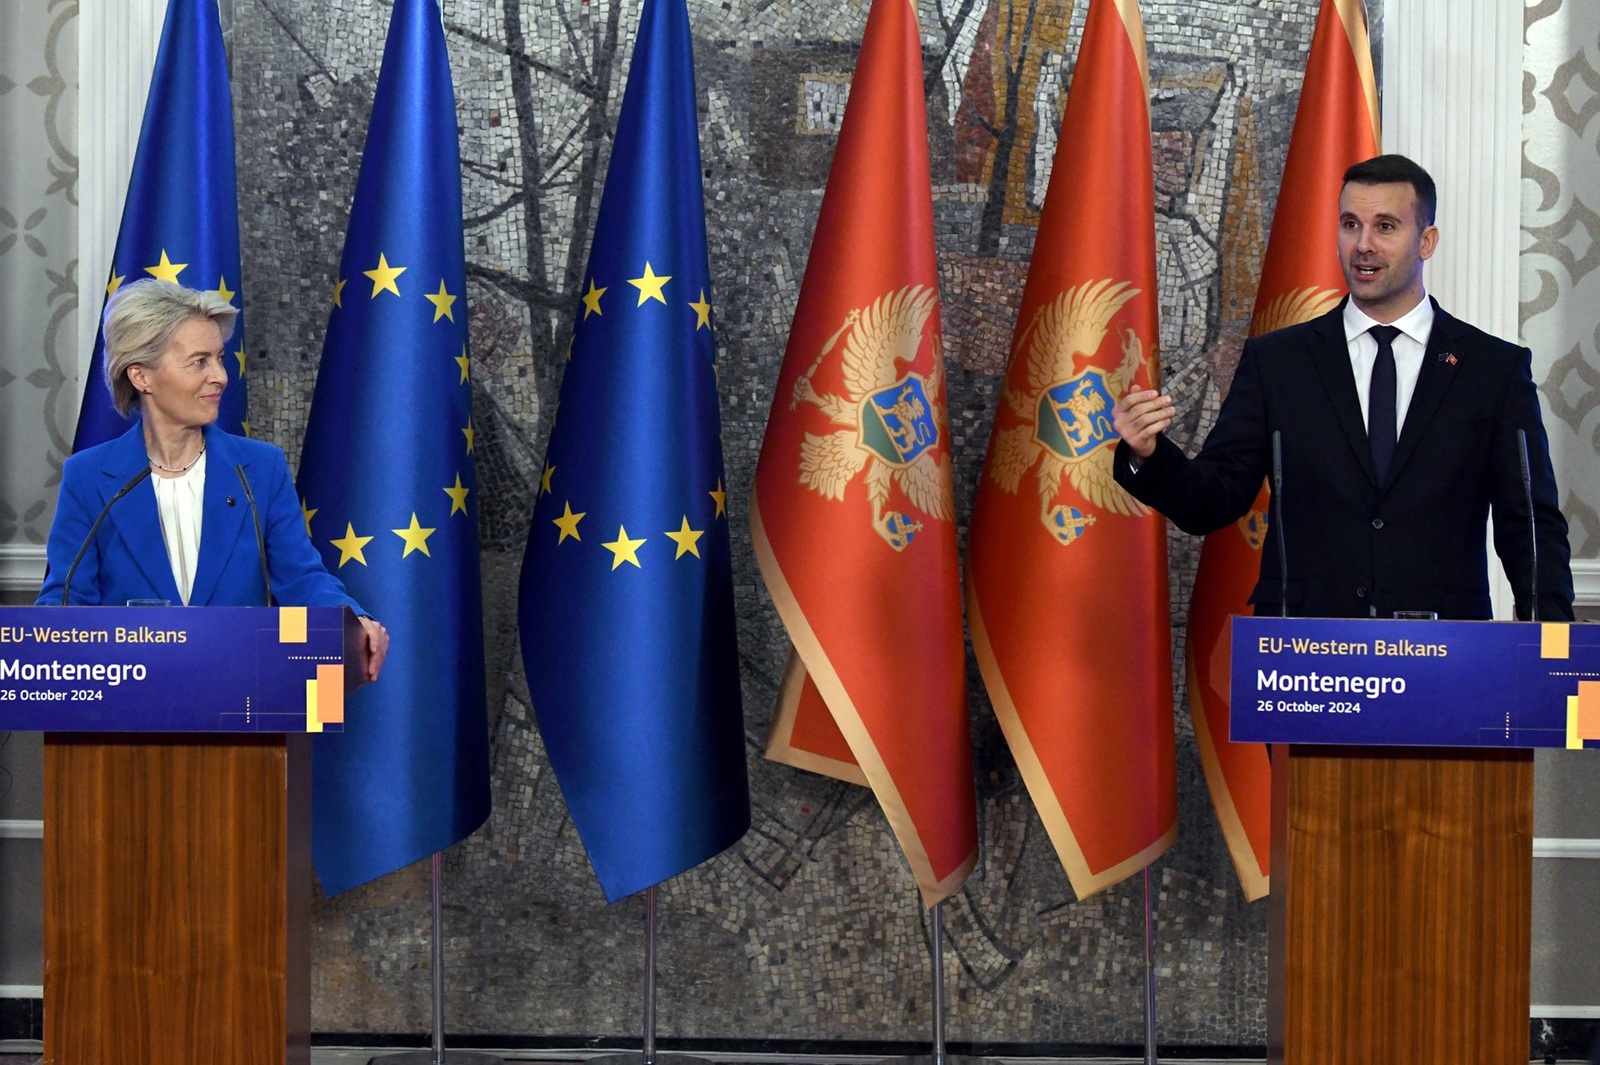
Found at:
<point>178,898</point>
<point>177,838</point>
<point>1401,905</point>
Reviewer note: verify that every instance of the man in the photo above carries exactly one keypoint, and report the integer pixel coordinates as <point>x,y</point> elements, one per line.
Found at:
<point>1399,430</point>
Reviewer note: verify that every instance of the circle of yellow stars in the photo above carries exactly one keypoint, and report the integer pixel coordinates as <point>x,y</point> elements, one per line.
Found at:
<point>413,537</point>
<point>651,287</point>
<point>625,548</point>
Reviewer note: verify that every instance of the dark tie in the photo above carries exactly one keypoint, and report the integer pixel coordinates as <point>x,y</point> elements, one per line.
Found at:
<point>1381,402</point>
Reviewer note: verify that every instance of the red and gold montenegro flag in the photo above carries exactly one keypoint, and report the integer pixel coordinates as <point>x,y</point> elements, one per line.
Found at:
<point>853,514</point>
<point>1336,126</point>
<point>1067,573</point>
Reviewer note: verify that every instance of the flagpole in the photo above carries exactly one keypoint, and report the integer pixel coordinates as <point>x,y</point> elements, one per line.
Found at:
<point>938,984</point>
<point>437,1055</point>
<point>650,975</point>
<point>939,1054</point>
<point>1149,974</point>
<point>647,1054</point>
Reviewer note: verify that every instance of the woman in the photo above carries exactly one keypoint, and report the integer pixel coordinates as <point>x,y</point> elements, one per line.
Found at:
<point>187,513</point>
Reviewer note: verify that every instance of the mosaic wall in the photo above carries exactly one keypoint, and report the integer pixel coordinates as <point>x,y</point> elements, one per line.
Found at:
<point>810,928</point>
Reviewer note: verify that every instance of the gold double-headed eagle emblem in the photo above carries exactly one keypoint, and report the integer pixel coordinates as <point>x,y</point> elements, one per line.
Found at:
<point>1064,433</point>
<point>893,421</point>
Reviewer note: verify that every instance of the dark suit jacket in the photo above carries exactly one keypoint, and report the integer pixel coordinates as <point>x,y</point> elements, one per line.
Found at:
<point>128,559</point>
<point>1357,548</point>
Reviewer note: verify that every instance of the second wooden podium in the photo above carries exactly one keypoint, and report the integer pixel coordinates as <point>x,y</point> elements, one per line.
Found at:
<point>1402,826</point>
<point>1401,905</point>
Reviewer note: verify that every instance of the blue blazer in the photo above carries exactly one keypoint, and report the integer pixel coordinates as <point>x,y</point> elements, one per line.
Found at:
<point>128,558</point>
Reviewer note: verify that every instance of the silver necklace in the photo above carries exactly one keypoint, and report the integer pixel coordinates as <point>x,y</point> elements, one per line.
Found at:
<point>180,469</point>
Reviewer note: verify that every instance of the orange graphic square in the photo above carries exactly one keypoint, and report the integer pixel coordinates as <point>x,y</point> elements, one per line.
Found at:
<point>1589,710</point>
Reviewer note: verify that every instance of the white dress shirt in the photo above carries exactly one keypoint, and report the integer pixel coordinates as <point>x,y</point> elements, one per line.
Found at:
<point>179,502</point>
<point>1415,326</point>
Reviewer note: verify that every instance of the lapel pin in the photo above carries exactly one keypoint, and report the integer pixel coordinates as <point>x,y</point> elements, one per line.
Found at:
<point>1445,356</point>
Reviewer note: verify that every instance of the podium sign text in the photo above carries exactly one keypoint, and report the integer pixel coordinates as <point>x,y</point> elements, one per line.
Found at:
<point>174,669</point>
<point>1415,683</point>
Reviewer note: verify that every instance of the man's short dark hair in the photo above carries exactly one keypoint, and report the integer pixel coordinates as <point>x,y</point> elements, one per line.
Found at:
<point>1394,170</point>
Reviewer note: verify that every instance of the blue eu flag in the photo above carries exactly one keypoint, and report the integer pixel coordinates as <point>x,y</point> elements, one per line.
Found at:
<point>626,602</point>
<point>180,222</point>
<point>388,484</point>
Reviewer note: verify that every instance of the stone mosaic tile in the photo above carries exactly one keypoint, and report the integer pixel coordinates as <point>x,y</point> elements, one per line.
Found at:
<point>810,928</point>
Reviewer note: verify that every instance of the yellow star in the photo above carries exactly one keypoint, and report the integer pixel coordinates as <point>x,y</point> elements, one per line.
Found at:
<point>115,283</point>
<point>568,524</point>
<point>240,356</point>
<point>383,276</point>
<point>722,499</point>
<point>166,269</point>
<point>544,479</point>
<point>570,342</point>
<point>458,496</point>
<point>623,549</point>
<point>442,302</point>
<point>416,537</point>
<point>702,312</point>
<point>591,300</point>
<point>246,427</point>
<point>338,293</point>
<point>649,285</point>
<point>687,539</point>
<point>463,362</point>
<point>221,291</point>
<point>467,432</point>
<point>350,547</point>
<point>309,514</point>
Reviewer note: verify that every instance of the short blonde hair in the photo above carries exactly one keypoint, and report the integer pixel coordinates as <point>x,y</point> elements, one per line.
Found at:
<point>139,321</point>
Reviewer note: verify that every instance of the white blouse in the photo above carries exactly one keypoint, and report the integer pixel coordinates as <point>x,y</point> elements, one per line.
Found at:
<point>179,502</point>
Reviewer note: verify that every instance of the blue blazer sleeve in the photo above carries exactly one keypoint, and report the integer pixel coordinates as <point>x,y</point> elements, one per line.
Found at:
<point>76,509</point>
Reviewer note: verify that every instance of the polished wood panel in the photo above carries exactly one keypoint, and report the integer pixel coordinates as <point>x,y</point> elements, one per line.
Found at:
<point>1401,908</point>
<point>177,900</point>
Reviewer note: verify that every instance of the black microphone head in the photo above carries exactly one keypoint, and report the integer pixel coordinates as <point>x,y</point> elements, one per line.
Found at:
<point>230,501</point>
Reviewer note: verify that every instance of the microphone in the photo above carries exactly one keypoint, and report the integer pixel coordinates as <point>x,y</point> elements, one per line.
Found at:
<point>66,585</point>
<point>261,542</point>
<point>1277,523</point>
<point>1533,533</point>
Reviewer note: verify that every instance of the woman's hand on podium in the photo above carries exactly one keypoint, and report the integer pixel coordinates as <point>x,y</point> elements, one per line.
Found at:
<point>376,639</point>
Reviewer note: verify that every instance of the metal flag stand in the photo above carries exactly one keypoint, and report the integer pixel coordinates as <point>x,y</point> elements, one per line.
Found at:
<point>437,1055</point>
<point>647,1054</point>
<point>939,1055</point>
<point>1149,973</point>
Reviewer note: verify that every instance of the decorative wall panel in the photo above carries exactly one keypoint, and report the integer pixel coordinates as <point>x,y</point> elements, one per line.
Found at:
<point>1560,292</point>
<point>38,271</point>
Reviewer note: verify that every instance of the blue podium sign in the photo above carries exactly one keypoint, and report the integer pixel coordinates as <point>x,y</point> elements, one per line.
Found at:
<point>176,669</point>
<point>1415,683</point>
